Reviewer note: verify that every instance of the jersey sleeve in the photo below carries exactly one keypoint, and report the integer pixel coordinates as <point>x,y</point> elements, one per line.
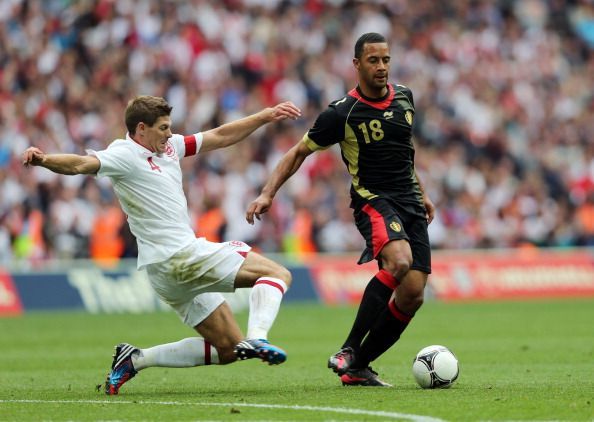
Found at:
<point>114,160</point>
<point>327,130</point>
<point>407,91</point>
<point>187,145</point>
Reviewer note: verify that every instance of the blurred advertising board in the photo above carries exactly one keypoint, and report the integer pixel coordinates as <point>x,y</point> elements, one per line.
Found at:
<point>330,279</point>
<point>85,285</point>
<point>514,274</point>
<point>10,303</point>
<point>507,274</point>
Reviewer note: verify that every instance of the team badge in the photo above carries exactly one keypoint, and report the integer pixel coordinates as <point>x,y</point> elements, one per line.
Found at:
<point>408,116</point>
<point>395,226</point>
<point>170,151</point>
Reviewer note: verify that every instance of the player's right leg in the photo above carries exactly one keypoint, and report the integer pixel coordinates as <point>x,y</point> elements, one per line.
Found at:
<point>205,266</point>
<point>269,282</point>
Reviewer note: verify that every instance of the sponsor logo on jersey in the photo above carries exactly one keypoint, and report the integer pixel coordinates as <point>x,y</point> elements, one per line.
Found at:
<point>395,226</point>
<point>408,116</point>
<point>388,114</point>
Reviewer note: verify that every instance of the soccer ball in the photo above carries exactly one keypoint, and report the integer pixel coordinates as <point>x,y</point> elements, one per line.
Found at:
<point>435,367</point>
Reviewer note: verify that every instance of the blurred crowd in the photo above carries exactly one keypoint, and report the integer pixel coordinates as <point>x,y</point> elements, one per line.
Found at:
<point>504,123</point>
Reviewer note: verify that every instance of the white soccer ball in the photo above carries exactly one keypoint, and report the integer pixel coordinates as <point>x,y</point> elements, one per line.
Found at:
<point>435,367</point>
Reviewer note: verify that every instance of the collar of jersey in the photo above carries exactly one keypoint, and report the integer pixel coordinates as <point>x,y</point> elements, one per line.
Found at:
<point>143,150</point>
<point>375,100</point>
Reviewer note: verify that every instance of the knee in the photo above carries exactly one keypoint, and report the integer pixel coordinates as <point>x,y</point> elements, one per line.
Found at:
<point>287,277</point>
<point>416,301</point>
<point>411,299</point>
<point>283,274</point>
<point>398,267</point>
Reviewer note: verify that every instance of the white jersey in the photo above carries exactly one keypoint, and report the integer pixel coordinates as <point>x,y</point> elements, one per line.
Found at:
<point>149,188</point>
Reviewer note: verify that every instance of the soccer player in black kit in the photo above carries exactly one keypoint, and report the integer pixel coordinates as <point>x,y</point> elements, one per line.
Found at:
<point>372,124</point>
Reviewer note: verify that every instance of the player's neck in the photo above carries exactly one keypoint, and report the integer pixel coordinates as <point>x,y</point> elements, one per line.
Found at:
<point>372,93</point>
<point>139,142</point>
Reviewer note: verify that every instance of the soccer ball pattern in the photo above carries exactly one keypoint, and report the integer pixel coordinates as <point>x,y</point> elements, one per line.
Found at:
<point>435,367</point>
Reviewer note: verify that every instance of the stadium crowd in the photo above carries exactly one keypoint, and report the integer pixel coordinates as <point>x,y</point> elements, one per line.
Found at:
<point>504,122</point>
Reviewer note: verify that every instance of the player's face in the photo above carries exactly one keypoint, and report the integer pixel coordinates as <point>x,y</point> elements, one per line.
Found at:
<point>373,68</point>
<point>155,137</point>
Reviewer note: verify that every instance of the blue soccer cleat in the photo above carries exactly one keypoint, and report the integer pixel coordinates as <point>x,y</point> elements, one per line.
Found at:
<point>122,369</point>
<point>260,348</point>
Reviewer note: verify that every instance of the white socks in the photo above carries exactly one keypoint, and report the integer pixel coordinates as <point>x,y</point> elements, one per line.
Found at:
<point>265,300</point>
<point>193,351</point>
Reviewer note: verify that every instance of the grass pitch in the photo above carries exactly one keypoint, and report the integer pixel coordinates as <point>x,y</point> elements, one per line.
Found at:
<point>519,361</point>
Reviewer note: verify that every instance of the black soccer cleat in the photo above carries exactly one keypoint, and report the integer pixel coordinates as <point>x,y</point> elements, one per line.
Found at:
<point>365,377</point>
<point>341,361</point>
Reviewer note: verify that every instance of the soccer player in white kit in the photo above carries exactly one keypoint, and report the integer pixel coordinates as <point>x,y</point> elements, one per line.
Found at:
<point>186,272</point>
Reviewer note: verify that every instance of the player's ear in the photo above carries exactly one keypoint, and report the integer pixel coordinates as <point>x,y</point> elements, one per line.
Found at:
<point>140,127</point>
<point>356,63</point>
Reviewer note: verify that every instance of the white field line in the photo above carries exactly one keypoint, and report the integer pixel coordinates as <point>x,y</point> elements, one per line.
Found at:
<point>344,410</point>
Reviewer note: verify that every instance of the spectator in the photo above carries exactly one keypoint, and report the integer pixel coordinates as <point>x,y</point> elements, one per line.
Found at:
<point>506,122</point>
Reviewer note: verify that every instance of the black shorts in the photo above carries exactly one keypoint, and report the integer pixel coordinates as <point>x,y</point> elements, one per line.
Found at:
<point>380,220</point>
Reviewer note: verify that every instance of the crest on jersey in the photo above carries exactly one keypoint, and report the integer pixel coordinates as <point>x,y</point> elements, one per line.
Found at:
<point>408,116</point>
<point>388,114</point>
<point>169,151</point>
<point>395,226</point>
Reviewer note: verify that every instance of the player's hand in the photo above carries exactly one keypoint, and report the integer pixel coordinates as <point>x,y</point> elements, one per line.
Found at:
<point>430,208</point>
<point>282,111</point>
<point>259,206</point>
<point>33,156</point>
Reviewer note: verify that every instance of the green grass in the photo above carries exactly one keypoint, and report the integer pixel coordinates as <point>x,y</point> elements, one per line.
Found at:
<point>519,361</point>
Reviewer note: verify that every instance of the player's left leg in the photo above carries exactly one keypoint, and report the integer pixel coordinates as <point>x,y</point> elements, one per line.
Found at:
<point>219,334</point>
<point>373,302</point>
<point>269,282</point>
<point>382,228</point>
<point>387,330</point>
<point>407,298</point>
<point>393,320</point>
<point>214,322</point>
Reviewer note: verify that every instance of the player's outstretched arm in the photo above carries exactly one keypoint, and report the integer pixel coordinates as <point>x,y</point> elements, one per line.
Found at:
<point>286,167</point>
<point>61,163</point>
<point>233,132</point>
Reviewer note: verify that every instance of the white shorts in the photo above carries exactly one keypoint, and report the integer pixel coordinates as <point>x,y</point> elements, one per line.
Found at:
<point>190,281</point>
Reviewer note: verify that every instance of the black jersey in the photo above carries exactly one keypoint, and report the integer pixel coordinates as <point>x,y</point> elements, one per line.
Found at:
<point>375,138</point>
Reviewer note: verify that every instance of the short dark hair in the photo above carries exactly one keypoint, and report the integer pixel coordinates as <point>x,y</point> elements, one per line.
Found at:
<point>368,38</point>
<point>146,109</point>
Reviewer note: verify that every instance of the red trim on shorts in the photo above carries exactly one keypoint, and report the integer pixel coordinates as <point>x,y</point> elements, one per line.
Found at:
<point>191,146</point>
<point>242,253</point>
<point>397,314</point>
<point>387,279</point>
<point>207,353</point>
<point>271,283</point>
<point>379,233</point>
